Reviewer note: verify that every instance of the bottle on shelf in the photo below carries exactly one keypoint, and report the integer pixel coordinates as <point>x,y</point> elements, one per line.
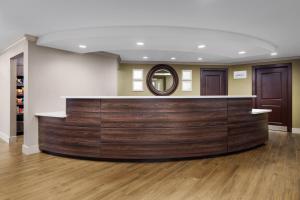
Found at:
<point>20,82</point>
<point>20,101</point>
<point>20,92</point>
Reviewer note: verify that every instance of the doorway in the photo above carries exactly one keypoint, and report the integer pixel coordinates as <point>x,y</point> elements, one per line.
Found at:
<point>272,84</point>
<point>213,82</point>
<point>17,95</point>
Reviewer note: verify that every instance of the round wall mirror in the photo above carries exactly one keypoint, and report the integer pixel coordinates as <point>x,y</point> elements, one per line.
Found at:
<point>162,80</point>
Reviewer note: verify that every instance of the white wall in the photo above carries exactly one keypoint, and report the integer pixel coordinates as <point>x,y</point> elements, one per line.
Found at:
<point>5,85</point>
<point>54,73</point>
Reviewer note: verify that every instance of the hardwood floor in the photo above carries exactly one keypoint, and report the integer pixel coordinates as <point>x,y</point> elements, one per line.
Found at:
<point>268,172</point>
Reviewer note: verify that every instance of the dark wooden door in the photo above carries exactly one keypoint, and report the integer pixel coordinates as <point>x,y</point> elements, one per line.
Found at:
<point>273,90</point>
<point>213,82</point>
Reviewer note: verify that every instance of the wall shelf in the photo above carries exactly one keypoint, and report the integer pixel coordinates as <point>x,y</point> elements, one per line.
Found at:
<point>20,96</point>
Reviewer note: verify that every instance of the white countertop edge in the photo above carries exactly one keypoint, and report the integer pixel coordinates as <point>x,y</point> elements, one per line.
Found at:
<point>157,97</point>
<point>260,111</point>
<point>59,114</point>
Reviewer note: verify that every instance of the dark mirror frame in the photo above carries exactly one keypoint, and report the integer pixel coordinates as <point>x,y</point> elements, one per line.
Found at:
<point>150,74</point>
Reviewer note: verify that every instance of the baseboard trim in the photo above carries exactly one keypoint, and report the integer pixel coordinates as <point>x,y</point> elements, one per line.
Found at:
<point>4,137</point>
<point>296,130</point>
<point>278,128</point>
<point>284,129</point>
<point>28,150</point>
<point>13,139</point>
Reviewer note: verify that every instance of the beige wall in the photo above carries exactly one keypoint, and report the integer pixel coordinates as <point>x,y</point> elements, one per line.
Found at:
<point>125,79</point>
<point>296,94</point>
<point>240,86</point>
<point>235,87</point>
<point>5,86</point>
<point>53,73</point>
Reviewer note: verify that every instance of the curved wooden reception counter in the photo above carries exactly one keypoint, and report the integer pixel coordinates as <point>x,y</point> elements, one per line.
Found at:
<point>153,127</point>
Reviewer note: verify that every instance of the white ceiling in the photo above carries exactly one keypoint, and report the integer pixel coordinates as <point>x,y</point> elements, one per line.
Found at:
<point>169,28</point>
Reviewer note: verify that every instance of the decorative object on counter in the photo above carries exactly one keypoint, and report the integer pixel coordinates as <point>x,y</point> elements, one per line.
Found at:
<point>162,80</point>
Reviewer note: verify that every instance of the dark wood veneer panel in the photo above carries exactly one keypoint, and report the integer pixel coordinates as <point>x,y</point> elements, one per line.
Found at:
<point>153,128</point>
<point>83,105</point>
<point>163,113</point>
<point>164,135</point>
<point>142,151</point>
<point>78,151</point>
<point>82,133</point>
<point>163,117</point>
<point>77,135</point>
<point>162,105</point>
<point>246,131</point>
<point>240,103</point>
<point>163,124</point>
<point>84,119</point>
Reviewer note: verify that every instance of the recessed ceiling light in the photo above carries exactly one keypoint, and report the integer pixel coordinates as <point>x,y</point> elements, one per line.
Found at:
<point>82,46</point>
<point>140,43</point>
<point>200,59</point>
<point>145,57</point>
<point>274,54</point>
<point>201,46</point>
<point>242,52</point>
<point>173,58</point>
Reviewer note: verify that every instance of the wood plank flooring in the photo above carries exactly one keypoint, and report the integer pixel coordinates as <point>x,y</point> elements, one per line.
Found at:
<point>268,172</point>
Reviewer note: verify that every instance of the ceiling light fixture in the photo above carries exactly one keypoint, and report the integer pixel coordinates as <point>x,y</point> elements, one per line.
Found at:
<point>200,59</point>
<point>242,52</point>
<point>82,46</point>
<point>173,58</point>
<point>201,46</point>
<point>274,54</point>
<point>145,57</point>
<point>140,43</point>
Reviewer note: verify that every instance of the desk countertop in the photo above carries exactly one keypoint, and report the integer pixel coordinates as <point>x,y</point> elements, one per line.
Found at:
<point>158,97</point>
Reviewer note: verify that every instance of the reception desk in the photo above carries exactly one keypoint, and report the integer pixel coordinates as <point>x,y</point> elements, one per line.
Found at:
<point>153,127</point>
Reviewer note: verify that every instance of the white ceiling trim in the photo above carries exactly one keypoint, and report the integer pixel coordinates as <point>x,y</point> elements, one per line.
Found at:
<point>222,46</point>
